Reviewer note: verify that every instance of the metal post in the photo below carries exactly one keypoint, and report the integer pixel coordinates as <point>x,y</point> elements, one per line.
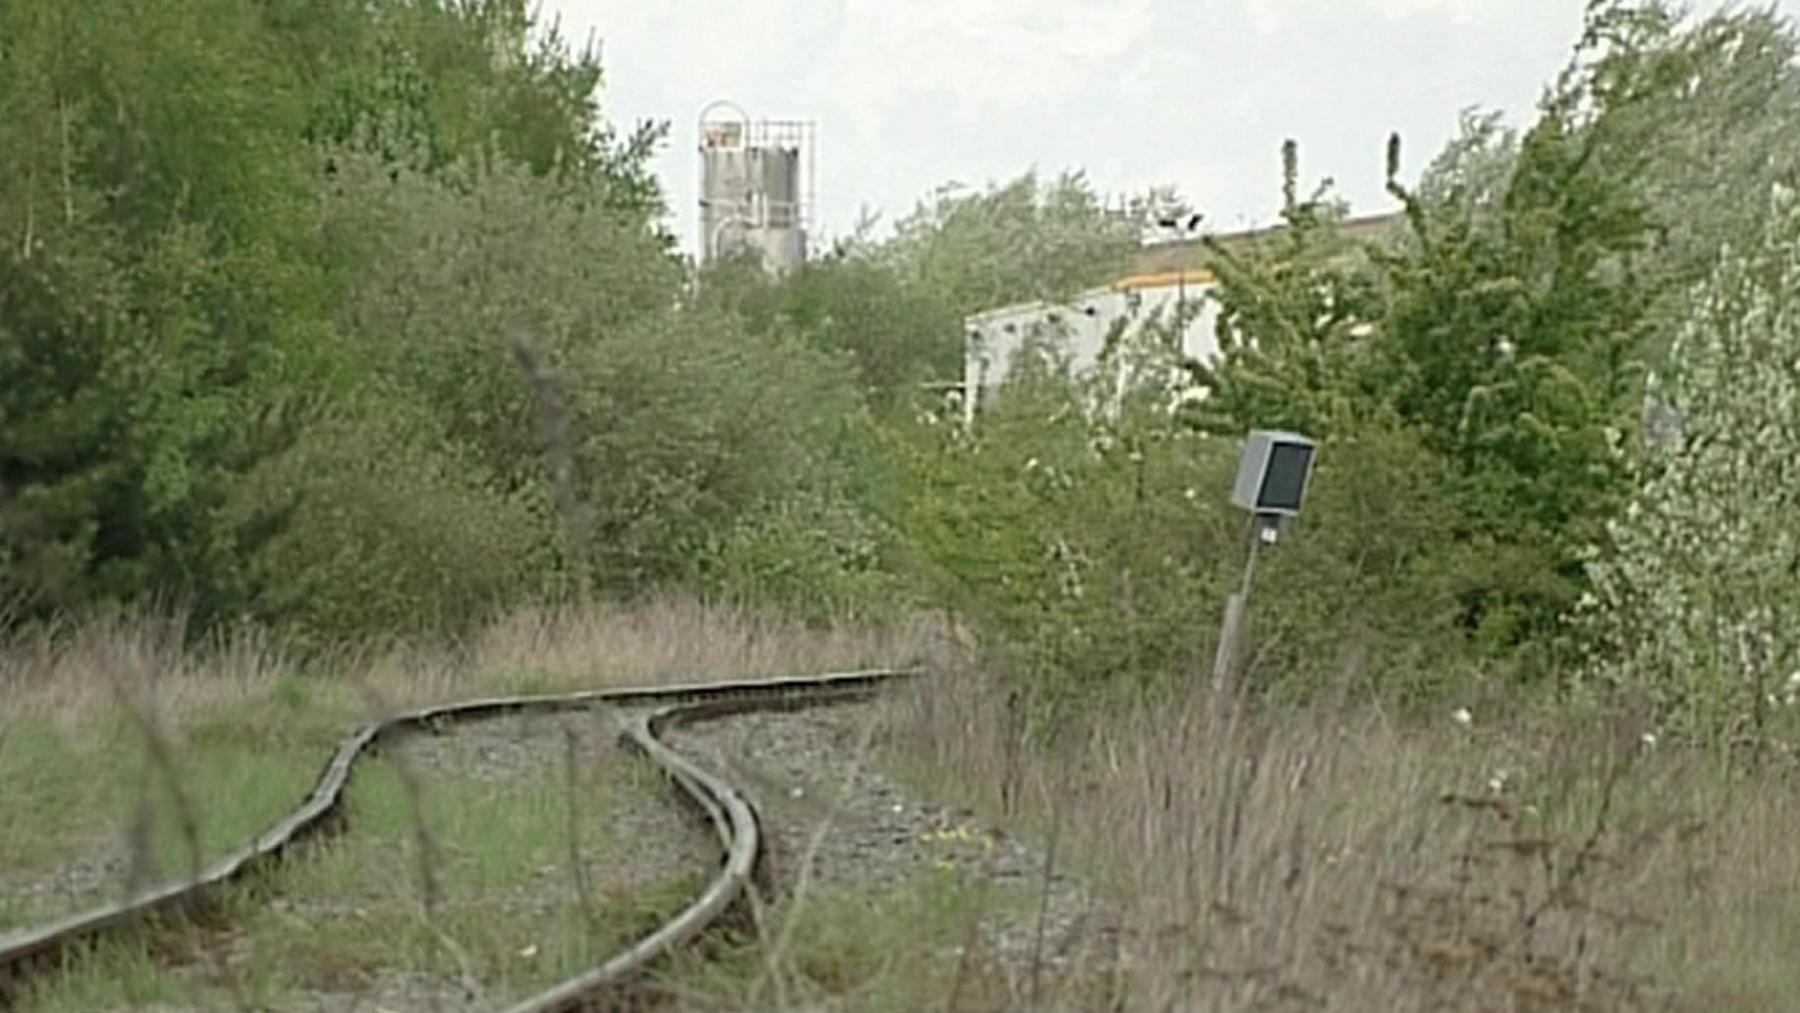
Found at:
<point>1229,630</point>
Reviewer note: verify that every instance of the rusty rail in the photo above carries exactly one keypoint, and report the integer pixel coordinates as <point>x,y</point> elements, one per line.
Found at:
<point>722,802</point>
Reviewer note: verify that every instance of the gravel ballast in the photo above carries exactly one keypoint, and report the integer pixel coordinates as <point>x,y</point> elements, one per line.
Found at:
<point>832,818</point>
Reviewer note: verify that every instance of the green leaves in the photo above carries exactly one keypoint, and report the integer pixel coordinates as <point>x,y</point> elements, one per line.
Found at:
<point>186,301</point>
<point>375,529</point>
<point>1511,325</point>
<point>1694,595</point>
<point>1011,243</point>
<point>1504,327</point>
<point>1298,320</point>
<point>1085,550</point>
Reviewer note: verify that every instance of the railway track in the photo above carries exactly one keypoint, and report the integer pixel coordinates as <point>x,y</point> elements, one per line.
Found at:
<point>651,712</point>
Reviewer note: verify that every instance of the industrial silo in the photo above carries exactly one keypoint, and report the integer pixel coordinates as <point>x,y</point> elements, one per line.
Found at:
<point>755,187</point>
<point>780,171</point>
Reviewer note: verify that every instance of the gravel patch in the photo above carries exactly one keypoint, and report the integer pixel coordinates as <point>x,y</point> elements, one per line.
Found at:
<point>94,877</point>
<point>810,776</point>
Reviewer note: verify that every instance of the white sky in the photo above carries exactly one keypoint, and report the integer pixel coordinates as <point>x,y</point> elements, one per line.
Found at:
<point>909,94</point>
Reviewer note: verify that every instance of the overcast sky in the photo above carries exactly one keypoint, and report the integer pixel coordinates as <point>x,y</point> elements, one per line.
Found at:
<point>909,94</point>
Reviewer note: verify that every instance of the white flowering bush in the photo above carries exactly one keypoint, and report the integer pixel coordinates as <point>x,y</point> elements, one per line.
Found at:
<point>1696,597</point>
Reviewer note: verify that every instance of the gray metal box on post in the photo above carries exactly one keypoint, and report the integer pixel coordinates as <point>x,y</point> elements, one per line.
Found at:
<point>1273,472</point>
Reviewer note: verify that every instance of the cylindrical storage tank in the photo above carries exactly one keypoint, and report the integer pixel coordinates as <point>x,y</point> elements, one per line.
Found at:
<point>782,249</point>
<point>752,195</point>
<point>727,175</point>
<point>726,182</point>
<point>781,185</point>
<point>727,237</point>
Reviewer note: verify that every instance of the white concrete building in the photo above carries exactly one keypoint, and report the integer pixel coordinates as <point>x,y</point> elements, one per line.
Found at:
<point>1163,279</point>
<point>1077,333</point>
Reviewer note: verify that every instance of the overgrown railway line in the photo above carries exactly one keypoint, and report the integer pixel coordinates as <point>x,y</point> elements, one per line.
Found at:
<point>648,712</point>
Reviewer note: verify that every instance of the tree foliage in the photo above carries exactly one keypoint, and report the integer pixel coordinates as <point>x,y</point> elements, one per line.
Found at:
<point>1093,551</point>
<point>359,318</point>
<point>896,334</point>
<point>158,290</point>
<point>1694,594</point>
<point>1296,319</point>
<point>1510,322</point>
<point>1013,242</point>
<point>176,262</point>
<point>1717,126</point>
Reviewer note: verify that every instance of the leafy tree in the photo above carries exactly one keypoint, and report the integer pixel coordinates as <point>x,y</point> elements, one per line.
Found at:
<point>1469,179</point>
<point>685,424</point>
<point>1694,595</point>
<point>1010,243</point>
<point>1094,551</point>
<point>898,335</point>
<point>457,272</point>
<point>156,293</point>
<point>1505,326</point>
<point>373,527</point>
<point>1524,327</point>
<point>436,84</point>
<point>1715,114</point>
<point>1297,315</point>
<point>543,335</point>
<point>1080,546</point>
<point>179,309</point>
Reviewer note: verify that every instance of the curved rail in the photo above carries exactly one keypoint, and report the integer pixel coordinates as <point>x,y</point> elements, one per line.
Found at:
<point>687,702</point>
<point>728,809</point>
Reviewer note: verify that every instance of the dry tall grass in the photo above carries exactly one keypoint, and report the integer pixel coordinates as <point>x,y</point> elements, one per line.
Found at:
<point>1340,858</point>
<point>68,671</point>
<point>680,639</point>
<point>1332,858</point>
<point>234,730</point>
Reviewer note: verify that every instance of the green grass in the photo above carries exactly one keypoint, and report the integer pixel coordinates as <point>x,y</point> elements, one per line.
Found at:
<point>338,918</point>
<point>227,787</point>
<point>118,973</point>
<point>891,949</point>
<point>229,771</point>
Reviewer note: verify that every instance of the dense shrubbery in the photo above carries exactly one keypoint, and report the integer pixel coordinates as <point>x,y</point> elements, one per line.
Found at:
<point>1509,325</point>
<point>1694,600</point>
<point>374,527</point>
<point>1099,551</point>
<point>357,318</point>
<point>185,379</point>
<point>1478,379</point>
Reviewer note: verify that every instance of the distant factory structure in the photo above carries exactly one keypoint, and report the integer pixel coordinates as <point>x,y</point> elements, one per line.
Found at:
<point>756,187</point>
<point>1076,333</point>
<point>1170,283</point>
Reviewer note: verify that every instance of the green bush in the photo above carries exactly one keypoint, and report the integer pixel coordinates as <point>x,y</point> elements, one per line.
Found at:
<point>216,216</point>
<point>685,425</point>
<point>1092,546</point>
<point>458,274</point>
<point>1366,593</point>
<point>821,559</point>
<point>381,532</point>
<point>1085,551</point>
<point>897,335</point>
